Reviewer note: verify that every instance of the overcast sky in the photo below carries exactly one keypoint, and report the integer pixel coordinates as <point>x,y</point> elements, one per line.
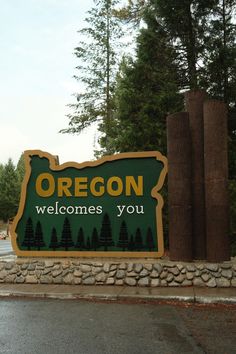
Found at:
<point>37,39</point>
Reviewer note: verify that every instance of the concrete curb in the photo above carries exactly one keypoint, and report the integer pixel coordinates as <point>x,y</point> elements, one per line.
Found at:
<point>100,293</point>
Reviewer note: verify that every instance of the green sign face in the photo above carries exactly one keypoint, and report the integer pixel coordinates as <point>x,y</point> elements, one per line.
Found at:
<point>109,207</point>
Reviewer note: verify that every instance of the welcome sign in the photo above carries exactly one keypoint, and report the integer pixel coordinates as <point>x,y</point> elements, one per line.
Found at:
<point>108,207</point>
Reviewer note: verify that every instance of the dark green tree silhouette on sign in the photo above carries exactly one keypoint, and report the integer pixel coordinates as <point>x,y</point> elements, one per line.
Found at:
<point>29,235</point>
<point>38,237</point>
<point>131,245</point>
<point>106,233</point>
<point>80,239</point>
<point>95,240</point>
<point>54,244</point>
<point>66,239</point>
<point>123,236</point>
<point>138,240</point>
<point>88,244</point>
<point>149,240</point>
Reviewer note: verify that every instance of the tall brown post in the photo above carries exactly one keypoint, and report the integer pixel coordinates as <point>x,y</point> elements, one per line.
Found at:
<point>216,178</point>
<point>194,105</point>
<point>179,186</point>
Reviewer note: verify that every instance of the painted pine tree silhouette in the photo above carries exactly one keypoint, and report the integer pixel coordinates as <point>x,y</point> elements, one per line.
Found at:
<point>29,235</point>
<point>138,240</point>
<point>95,240</point>
<point>149,240</point>
<point>54,244</point>
<point>123,236</point>
<point>80,239</point>
<point>106,233</point>
<point>66,238</point>
<point>131,244</point>
<point>88,244</point>
<point>38,237</point>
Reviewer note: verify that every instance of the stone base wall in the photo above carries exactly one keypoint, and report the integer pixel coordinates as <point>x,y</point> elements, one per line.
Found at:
<point>150,273</point>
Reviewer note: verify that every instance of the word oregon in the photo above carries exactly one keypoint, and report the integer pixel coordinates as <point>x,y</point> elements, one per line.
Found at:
<point>47,185</point>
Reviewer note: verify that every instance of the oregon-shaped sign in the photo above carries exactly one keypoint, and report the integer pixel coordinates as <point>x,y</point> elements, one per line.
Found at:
<point>104,208</point>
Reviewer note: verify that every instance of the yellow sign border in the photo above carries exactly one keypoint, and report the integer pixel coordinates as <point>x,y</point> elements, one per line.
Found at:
<point>55,166</point>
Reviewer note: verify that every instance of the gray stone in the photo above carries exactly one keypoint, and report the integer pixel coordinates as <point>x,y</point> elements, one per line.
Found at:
<point>180,278</point>
<point>24,266</point>
<point>198,282</point>
<point>143,281</point>
<point>119,282</point>
<point>233,282</point>
<point>144,273</point>
<point>112,273</point>
<point>32,266</point>
<point>183,271</point>
<point>130,281</point>
<point>85,268</point>
<point>211,283</point>
<point>45,279</point>
<point>174,271</point>
<point>20,279</point>
<point>77,281</point>
<point>155,282</point>
<point>110,281</point>
<point>212,267</point>
<point>9,265</point>
<point>3,274</point>
<point>49,264</point>
<point>227,273</point>
<point>113,267</point>
<point>10,278</point>
<point>170,277</point>
<point>14,270</point>
<point>120,274</point>
<point>187,282</point>
<point>96,270</point>
<point>205,277</point>
<point>106,267</point>
<point>130,267</point>
<point>101,277</point>
<point>57,280</point>
<point>138,267</point>
<point>78,273</point>
<point>68,279</point>
<point>65,265</point>
<point>200,266</point>
<point>158,267</point>
<point>190,268</point>
<point>163,274</point>
<point>173,283</point>
<point>46,271</point>
<point>148,266</point>
<point>226,265</point>
<point>179,266</point>
<point>56,272</point>
<point>163,282</point>
<point>123,266</point>
<point>154,274</point>
<point>89,281</point>
<point>222,283</point>
<point>31,279</point>
<point>131,274</point>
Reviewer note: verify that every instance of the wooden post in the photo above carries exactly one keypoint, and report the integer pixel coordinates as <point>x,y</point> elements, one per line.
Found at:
<point>216,180</point>
<point>194,105</point>
<point>179,186</point>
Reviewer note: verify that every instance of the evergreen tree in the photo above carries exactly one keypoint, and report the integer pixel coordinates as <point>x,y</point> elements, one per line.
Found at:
<point>149,240</point>
<point>54,244</point>
<point>29,235</point>
<point>66,238</point>
<point>123,236</point>
<point>131,245</point>
<point>138,240</point>
<point>88,244</point>
<point>106,233</point>
<point>80,239</point>
<point>9,191</point>
<point>97,56</point>
<point>146,91</point>
<point>38,237</point>
<point>20,169</point>
<point>95,240</point>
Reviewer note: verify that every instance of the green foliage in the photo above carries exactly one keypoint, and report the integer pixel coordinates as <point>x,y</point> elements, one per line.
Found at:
<point>146,91</point>
<point>9,191</point>
<point>97,57</point>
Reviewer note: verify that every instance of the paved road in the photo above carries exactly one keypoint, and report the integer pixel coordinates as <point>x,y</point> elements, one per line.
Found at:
<point>5,248</point>
<point>59,327</point>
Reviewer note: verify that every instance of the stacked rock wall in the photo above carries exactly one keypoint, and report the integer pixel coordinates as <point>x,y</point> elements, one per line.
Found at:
<point>152,273</point>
